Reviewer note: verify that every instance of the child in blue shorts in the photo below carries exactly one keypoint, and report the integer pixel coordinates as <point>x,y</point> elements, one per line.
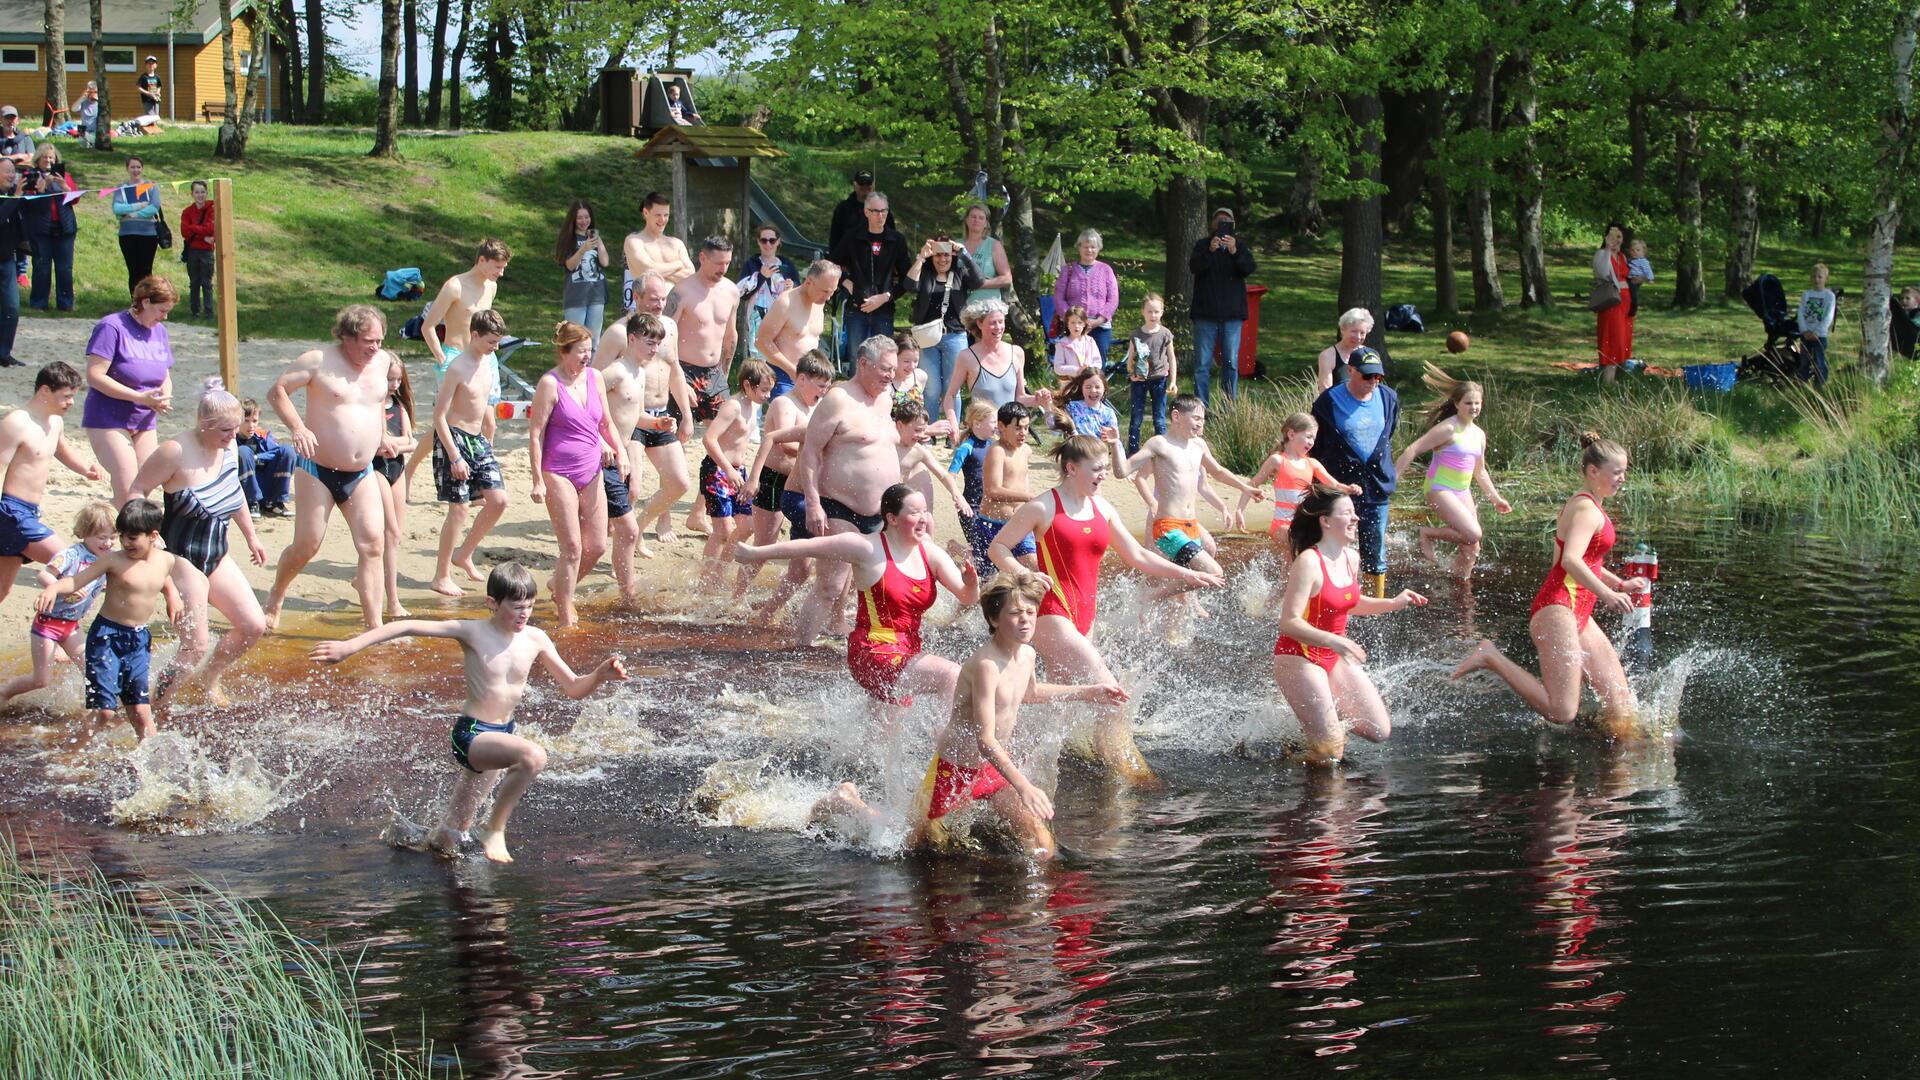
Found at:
<point>118,644</point>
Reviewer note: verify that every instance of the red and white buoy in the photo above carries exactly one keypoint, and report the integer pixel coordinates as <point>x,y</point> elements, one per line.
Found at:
<point>1637,627</point>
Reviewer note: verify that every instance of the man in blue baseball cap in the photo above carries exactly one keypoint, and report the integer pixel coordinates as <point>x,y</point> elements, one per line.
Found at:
<point>1357,419</point>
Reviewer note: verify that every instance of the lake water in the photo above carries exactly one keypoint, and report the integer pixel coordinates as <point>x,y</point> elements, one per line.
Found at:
<point>1479,896</point>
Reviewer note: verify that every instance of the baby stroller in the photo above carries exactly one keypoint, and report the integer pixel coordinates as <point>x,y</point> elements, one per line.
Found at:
<point>1779,358</point>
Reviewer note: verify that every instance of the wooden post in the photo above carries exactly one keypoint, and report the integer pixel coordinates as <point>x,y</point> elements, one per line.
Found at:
<point>680,222</point>
<point>223,272</point>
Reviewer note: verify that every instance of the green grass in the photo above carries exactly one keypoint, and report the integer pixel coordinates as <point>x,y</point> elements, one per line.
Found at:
<point>97,979</point>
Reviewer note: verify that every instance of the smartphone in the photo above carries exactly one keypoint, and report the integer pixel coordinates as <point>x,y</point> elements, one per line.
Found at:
<point>1225,228</point>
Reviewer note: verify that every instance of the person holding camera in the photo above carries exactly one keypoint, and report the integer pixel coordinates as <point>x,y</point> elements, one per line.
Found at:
<point>939,296</point>
<point>1221,265</point>
<point>12,239</point>
<point>765,276</point>
<point>15,145</point>
<point>50,226</point>
<point>583,255</point>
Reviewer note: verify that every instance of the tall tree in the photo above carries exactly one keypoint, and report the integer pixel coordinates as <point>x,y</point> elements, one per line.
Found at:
<point>293,91</point>
<point>1689,280</point>
<point>457,62</point>
<point>1173,73</point>
<point>230,142</point>
<point>497,50</point>
<point>316,61</point>
<point>386,114</point>
<point>1446,288</point>
<point>1487,293</point>
<point>1362,226</point>
<point>55,24</point>
<point>103,123</point>
<point>1530,190</point>
<point>435,77</point>
<point>410,54</point>
<point>1897,133</point>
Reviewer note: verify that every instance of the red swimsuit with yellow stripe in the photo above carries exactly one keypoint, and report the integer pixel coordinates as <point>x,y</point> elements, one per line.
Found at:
<point>886,629</point>
<point>1327,611</point>
<point>1070,553</point>
<point>1559,590</point>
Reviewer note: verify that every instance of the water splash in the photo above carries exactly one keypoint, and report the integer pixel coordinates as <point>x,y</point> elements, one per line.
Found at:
<point>178,787</point>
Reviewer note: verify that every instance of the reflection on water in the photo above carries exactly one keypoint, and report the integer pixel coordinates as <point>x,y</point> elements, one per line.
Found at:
<point>1479,895</point>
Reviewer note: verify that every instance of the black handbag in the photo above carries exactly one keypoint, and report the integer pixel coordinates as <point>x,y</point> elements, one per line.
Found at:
<point>165,234</point>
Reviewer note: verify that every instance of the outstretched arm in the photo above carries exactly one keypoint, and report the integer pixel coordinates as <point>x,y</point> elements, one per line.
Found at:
<point>332,652</point>
<point>963,581</point>
<point>844,547</point>
<point>1432,440</point>
<point>577,686</point>
<point>1025,522</point>
<point>1150,562</point>
<point>63,453</point>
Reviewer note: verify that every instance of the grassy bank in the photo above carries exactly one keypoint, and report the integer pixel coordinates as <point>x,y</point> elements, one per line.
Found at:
<point>103,981</point>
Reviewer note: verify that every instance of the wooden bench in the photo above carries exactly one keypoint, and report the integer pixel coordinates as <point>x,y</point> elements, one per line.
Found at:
<point>217,110</point>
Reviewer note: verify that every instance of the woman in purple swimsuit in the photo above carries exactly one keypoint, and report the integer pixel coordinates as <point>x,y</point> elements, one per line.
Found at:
<point>130,382</point>
<point>571,439</point>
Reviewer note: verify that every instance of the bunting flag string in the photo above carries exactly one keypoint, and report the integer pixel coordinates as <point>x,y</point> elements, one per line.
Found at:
<point>104,194</point>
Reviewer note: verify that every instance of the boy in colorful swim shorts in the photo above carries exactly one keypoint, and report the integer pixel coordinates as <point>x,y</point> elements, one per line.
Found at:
<point>971,759</point>
<point>55,630</point>
<point>1180,459</point>
<point>723,474</point>
<point>465,470</point>
<point>499,652</point>
<point>119,647</point>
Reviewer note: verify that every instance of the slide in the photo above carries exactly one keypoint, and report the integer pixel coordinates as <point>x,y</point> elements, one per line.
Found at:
<point>793,245</point>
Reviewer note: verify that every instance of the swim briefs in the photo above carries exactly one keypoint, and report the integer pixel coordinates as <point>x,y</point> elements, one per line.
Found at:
<point>338,482</point>
<point>54,629</point>
<point>839,511</point>
<point>464,731</point>
<point>794,506</point>
<point>654,439</point>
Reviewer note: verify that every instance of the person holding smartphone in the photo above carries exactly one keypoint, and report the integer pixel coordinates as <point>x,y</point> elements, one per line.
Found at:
<point>1221,264</point>
<point>583,255</point>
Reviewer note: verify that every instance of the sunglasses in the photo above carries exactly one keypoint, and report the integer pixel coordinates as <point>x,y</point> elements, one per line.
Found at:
<point>1374,378</point>
<point>769,239</point>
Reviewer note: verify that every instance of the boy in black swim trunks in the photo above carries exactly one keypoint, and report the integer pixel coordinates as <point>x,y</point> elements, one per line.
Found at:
<point>500,651</point>
<point>723,475</point>
<point>464,468</point>
<point>118,644</point>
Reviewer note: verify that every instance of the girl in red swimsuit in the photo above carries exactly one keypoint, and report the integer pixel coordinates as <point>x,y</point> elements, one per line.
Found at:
<point>1073,527</point>
<point>1572,646</point>
<point>897,574</point>
<point>1315,664</point>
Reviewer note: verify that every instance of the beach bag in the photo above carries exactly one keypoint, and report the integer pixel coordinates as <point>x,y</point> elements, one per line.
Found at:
<point>1405,319</point>
<point>1604,296</point>
<point>402,284</point>
<point>164,234</point>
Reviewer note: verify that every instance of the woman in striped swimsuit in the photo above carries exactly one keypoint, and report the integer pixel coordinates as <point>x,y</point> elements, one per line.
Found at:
<point>1459,448</point>
<point>200,475</point>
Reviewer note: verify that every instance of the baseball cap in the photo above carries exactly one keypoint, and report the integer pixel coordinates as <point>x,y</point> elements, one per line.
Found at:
<point>863,176</point>
<point>153,59</point>
<point>8,110</point>
<point>1366,361</point>
<point>1223,212</point>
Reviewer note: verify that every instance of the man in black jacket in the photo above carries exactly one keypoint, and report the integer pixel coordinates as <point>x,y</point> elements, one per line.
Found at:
<point>12,239</point>
<point>1221,265</point>
<point>847,213</point>
<point>1357,419</point>
<point>874,258</point>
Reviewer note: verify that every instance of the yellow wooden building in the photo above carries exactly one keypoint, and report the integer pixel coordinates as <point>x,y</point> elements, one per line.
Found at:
<point>188,52</point>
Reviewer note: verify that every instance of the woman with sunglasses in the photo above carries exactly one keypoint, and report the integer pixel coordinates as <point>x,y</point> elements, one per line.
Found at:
<point>765,276</point>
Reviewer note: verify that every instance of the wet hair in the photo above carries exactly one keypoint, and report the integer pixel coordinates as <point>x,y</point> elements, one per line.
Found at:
<point>716,242</point>
<point>216,403</point>
<point>356,319</point>
<point>1012,413</point>
<point>653,199</point>
<point>976,412</point>
<point>95,517</point>
<point>874,348</point>
<point>138,518</point>
<point>906,412</point>
<point>894,500</point>
<point>1185,403</point>
<point>153,289</point>
<point>821,267</point>
<point>756,373</point>
<point>567,334</point>
<point>1452,389</point>
<point>813,364</point>
<point>492,250</point>
<point>58,375</point>
<point>564,247</point>
<point>510,582</point>
<point>1308,527</point>
<point>1291,426</point>
<point>1004,588</point>
<point>1354,317</point>
<point>1597,451</point>
<point>1077,450</point>
<point>645,324</point>
<point>487,321</point>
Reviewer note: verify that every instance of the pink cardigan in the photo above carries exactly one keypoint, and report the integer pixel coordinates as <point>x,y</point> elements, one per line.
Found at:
<point>1093,288</point>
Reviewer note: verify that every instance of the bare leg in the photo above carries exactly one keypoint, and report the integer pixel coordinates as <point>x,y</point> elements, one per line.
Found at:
<point>396,519</point>
<point>670,462</point>
<point>593,526</point>
<point>312,508</point>
<point>1358,702</point>
<point>195,631</point>
<point>520,761</point>
<point>230,595</point>
<point>493,504</point>
<point>41,650</point>
<point>443,582</point>
<point>366,514</point>
<point>1035,838</point>
<point>469,793</point>
<point>1071,658</point>
<point>823,600</point>
<point>9,569</point>
<point>626,535</point>
<point>1462,516</point>
<point>843,803</point>
<point>563,510</point>
<point>1619,711</point>
<point>1309,693</point>
<point>1556,695</point>
<point>121,453</point>
<point>141,717</point>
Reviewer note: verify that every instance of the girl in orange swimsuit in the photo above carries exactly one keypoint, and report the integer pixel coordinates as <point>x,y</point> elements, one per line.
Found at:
<point>1316,666</point>
<point>1573,649</point>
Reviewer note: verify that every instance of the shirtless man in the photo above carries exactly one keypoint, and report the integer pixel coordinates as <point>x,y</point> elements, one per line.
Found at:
<point>334,444</point>
<point>1178,459</point>
<point>971,758</point>
<point>703,308</point>
<point>30,437</point>
<point>445,327</point>
<point>650,296</point>
<point>850,456</point>
<point>648,398</point>
<point>652,249</point>
<point>769,477</point>
<point>792,326</point>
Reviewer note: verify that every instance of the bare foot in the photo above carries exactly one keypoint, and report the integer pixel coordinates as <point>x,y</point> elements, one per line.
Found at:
<point>665,535</point>
<point>629,598</point>
<point>272,613</point>
<point>566,620</point>
<point>217,696</point>
<point>1427,551</point>
<point>395,611</point>
<point>1475,661</point>
<point>699,526</point>
<point>446,586</point>
<point>444,840</point>
<point>494,843</point>
<point>842,801</point>
<point>641,549</point>
<point>473,571</point>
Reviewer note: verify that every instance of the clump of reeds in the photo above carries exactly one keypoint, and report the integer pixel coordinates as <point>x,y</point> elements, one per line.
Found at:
<point>100,981</point>
<point>1242,431</point>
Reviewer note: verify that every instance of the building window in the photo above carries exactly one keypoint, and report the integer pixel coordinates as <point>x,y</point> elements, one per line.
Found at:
<point>76,59</point>
<point>118,59</point>
<point>20,58</point>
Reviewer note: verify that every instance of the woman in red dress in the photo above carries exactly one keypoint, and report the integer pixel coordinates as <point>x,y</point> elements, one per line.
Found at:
<point>1615,323</point>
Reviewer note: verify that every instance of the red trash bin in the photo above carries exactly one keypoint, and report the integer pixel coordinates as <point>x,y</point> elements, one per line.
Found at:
<point>1250,333</point>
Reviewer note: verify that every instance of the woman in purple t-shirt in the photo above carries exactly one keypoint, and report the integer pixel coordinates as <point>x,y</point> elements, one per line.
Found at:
<point>129,382</point>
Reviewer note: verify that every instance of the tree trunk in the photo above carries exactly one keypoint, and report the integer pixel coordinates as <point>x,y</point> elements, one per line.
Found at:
<point>386,114</point>
<point>410,57</point>
<point>1744,251</point>
<point>1304,214</point>
<point>1529,196</point>
<point>1897,138</point>
<point>456,80</point>
<point>960,103</point>
<point>293,91</point>
<point>230,142</point>
<point>55,26</point>
<point>1446,289</point>
<point>103,122</point>
<point>316,61</point>
<point>436,81</point>
<point>1487,293</point>
<point>1637,107</point>
<point>1362,228</point>
<point>1182,114</point>
<point>496,61</point>
<point>1689,280</point>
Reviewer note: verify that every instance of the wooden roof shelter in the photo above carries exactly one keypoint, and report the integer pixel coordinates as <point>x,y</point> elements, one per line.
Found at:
<point>711,199</point>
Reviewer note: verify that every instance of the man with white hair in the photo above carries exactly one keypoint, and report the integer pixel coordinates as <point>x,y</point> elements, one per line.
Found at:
<point>874,258</point>
<point>1355,325</point>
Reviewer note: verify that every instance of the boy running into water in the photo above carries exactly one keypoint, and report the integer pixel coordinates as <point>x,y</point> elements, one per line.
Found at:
<point>786,427</point>
<point>1179,458</point>
<point>55,630</point>
<point>464,468</point>
<point>1004,487</point>
<point>499,652</point>
<point>918,467</point>
<point>30,437</point>
<point>971,759</point>
<point>723,475</point>
<point>118,644</point>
